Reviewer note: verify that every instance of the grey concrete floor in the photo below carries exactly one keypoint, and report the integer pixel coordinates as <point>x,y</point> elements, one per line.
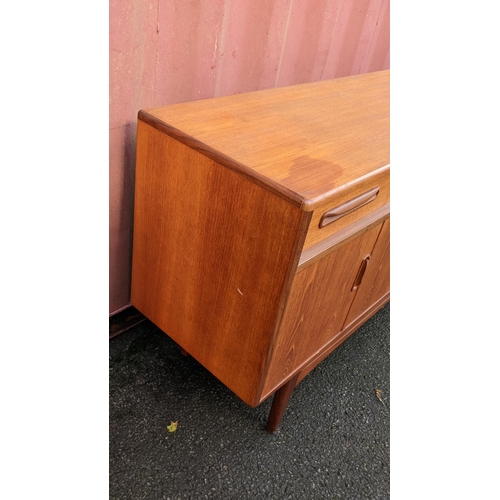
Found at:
<point>333,441</point>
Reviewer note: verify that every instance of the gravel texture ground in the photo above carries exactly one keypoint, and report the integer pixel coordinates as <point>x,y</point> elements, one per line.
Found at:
<point>333,441</point>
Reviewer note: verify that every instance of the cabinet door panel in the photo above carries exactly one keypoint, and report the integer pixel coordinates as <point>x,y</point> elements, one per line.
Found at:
<point>376,279</point>
<point>319,302</point>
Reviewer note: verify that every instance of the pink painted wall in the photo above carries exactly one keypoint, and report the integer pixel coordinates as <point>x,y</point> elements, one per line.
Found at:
<point>169,51</point>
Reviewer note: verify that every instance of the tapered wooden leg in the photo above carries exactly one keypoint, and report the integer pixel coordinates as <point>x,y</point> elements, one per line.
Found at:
<point>280,402</point>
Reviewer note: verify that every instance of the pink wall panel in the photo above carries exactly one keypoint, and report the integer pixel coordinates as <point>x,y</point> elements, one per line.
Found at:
<point>187,50</point>
<point>131,86</point>
<point>132,45</point>
<point>120,215</point>
<point>377,57</point>
<point>367,27</point>
<point>168,51</point>
<point>352,37</point>
<point>308,39</point>
<point>251,46</point>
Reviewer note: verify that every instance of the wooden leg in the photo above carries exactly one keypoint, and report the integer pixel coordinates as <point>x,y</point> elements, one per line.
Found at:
<point>280,402</point>
<point>184,353</point>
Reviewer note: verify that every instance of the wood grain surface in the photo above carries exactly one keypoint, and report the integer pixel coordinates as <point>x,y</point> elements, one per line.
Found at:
<point>229,258</point>
<point>376,281</point>
<point>212,254</point>
<point>309,139</point>
<point>317,308</point>
<point>380,178</point>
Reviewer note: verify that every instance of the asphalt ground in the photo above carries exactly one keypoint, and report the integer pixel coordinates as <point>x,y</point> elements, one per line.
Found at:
<point>333,441</point>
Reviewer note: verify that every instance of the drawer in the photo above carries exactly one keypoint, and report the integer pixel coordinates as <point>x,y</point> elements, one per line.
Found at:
<point>351,204</point>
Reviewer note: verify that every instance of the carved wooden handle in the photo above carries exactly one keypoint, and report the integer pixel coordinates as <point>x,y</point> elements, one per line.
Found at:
<point>361,272</point>
<point>348,207</point>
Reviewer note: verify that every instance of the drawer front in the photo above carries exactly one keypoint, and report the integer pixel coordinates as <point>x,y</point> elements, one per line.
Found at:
<point>349,206</point>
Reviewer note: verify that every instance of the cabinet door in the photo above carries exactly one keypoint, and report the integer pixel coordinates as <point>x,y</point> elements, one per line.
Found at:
<point>374,286</point>
<point>317,308</point>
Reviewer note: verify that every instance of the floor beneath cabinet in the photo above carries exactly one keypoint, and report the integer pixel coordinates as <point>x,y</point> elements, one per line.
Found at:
<point>333,441</point>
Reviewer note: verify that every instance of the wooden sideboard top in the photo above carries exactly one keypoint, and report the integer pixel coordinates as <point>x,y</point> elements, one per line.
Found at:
<point>304,142</point>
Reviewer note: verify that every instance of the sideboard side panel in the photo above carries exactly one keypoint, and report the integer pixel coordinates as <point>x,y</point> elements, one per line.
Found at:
<point>211,258</point>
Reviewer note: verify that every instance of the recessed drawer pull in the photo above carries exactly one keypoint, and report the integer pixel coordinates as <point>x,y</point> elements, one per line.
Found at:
<point>361,272</point>
<point>348,207</point>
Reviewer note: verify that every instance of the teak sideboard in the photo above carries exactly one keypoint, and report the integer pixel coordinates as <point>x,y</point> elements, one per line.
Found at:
<point>261,227</point>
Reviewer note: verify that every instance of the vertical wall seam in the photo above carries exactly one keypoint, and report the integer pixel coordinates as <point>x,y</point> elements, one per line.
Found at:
<point>367,55</point>
<point>221,47</point>
<point>284,43</point>
<point>157,38</point>
<point>339,9</point>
